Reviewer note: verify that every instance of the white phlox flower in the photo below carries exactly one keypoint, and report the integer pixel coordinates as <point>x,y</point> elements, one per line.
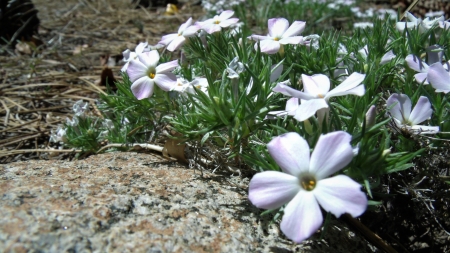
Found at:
<point>184,86</point>
<point>145,73</point>
<point>175,40</point>
<point>317,92</point>
<point>218,22</point>
<point>424,25</point>
<point>399,106</point>
<point>304,183</point>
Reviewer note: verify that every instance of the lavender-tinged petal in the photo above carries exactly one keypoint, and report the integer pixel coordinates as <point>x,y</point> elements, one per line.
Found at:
<point>291,152</point>
<point>415,63</point>
<point>316,85</point>
<point>292,106</point>
<point>277,27</point>
<point>166,67</point>
<point>212,28</point>
<point>421,78</point>
<point>387,57</point>
<point>226,15</point>
<point>166,39</point>
<point>435,53</point>
<point>228,22</point>
<point>358,91</point>
<point>276,72</point>
<point>149,59</point>
<point>308,108</point>
<point>136,70</point>
<point>259,37</point>
<point>351,82</point>
<point>176,43</point>
<point>185,25</point>
<point>191,31</point>
<point>142,88</point>
<point>291,40</point>
<point>339,195</point>
<point>125,67</point>
<point>302,217</point>
<point>409,25</point>
<point>140,47</point>
<point>126,55</point>
<point>288,91</point>
<point>269,46</point>
<point>272,189</point>
<point>295,29</point>
<point>166,81</point>
<point>332,153</point>
<point>402,107</point>
<point>421,112</point>
<point>438,77</point>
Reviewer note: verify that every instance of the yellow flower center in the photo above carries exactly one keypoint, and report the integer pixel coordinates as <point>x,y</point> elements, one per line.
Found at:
<point>320,96</point>
<point>276,39</point>
<point>308,182</point>
<point>217,22</point>
<point>151,75</point>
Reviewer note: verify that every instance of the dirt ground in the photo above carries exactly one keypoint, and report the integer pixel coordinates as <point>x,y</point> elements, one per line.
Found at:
<point>80,38</point>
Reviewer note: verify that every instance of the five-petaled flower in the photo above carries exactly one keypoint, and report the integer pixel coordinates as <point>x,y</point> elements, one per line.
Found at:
<point>145,73</point>
<point>176,40</point>
<point>216,24</point>
<point>280,33</point>
<point>304,184</point>
<point>399,106</point>
<point>317,92</point>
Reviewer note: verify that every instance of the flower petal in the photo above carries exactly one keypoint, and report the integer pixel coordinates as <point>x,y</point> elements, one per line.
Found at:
<point>276,72</point>
<point>176,43</point>
<point>339,195</point>
<point>332,153</point>
<point>226,15</point>
<point>292,40</point>
<point>421,112</point>
<point>277,27</point>
<point>316,85</point>
<point>149,59</point>
<point>166,39</point>
<point>415,63</point>
<point>302,217</point>
<point>165,81</point>
<point>291,106</point>
<point>439,78</point>
<point>142,88</point>
<point>136,70</point>
<point>308,108</point>
<point>288,91</point>
<point>166,67</point>
<point>269,46</point>
<point>387,57</point>
<point>291,152</point>
<point>402,107</point>
<point>272,189</point>
<point>140,48</point>
<point>421,78</point>
<point>345,88</point>
<point>295,29</point>
<point>228,22</point>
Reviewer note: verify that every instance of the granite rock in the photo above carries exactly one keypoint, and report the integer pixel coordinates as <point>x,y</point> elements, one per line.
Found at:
<point>134,202</point>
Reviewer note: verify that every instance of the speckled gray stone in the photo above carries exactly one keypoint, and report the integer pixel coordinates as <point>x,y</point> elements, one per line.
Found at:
<point>131,202</point>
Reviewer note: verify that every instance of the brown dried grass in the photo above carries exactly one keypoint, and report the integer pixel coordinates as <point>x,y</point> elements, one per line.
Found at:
<point>40,84</point>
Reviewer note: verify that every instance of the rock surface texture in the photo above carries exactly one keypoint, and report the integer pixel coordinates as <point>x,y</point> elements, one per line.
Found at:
<point>131,202</point>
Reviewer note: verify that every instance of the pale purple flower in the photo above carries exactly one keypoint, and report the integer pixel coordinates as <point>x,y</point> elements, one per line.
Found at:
<point>184,86</point>
<point>317,92</point>
<point>414,22</point>
<point>218,22</point>
<point>280,33</point>
<point>439,77</point>
<point>176,40</point>
<point>304,184</point>
<point>399,106</point>
<point>145,73</point>
<point>59,135</point>
<point>415,63</point>
<point>235,68</point>
<point>387,57</point>
<point>128,55</point>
